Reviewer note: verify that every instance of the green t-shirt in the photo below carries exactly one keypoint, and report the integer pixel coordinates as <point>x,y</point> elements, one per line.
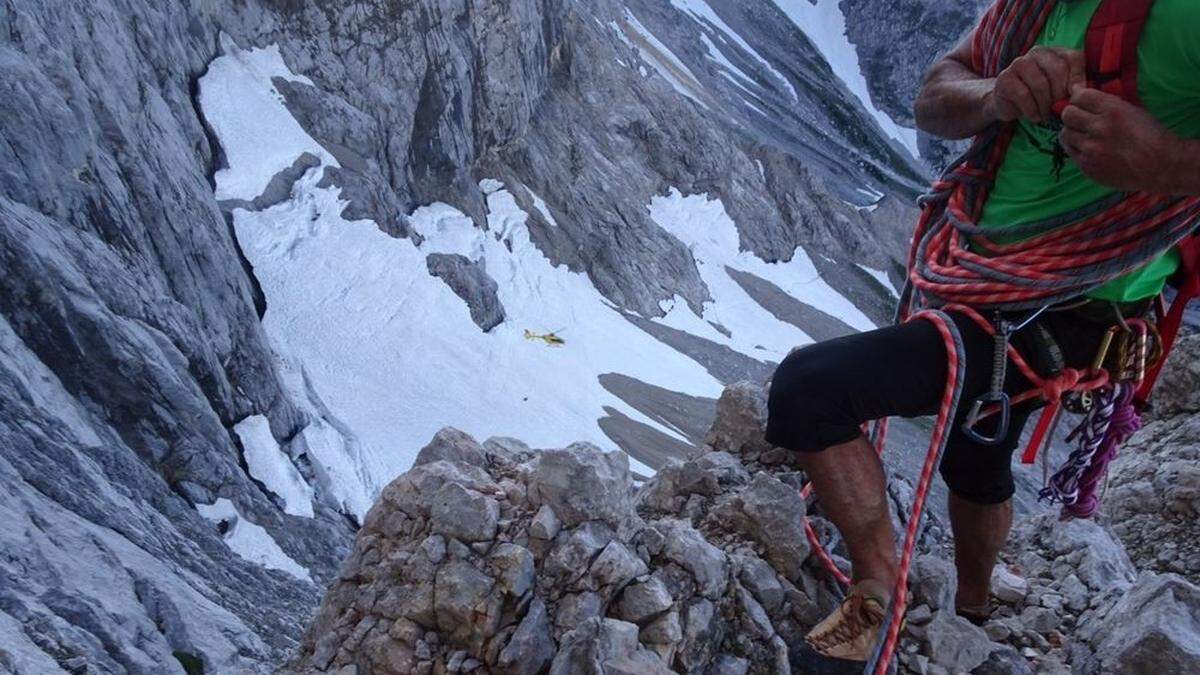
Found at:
<point>1169,86</point>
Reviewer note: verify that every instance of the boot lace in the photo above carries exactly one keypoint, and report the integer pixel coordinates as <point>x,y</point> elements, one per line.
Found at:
<point>858,616</point>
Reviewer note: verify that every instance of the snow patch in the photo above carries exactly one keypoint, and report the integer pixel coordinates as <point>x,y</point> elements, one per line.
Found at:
<point>259,135</point>
<point>543,209</point>
<point>394,352</point>
<point>446,230</point>
<point>251,541</point>
<point>825,24</point>
<point>381,354</point>
<point>272,467</point>
<point>703,225</point>
<point>881,277</point>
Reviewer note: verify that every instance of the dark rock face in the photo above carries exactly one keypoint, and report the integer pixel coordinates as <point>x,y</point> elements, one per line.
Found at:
<point>131,347</point>
<point>897,42</point>
<point>469,281</point>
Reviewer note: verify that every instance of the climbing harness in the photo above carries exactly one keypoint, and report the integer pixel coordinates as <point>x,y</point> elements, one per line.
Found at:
<point>956,266</point>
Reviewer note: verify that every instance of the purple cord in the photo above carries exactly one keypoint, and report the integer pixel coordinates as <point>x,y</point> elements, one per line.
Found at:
<point>1112,420</point>
<point>1125,422</point>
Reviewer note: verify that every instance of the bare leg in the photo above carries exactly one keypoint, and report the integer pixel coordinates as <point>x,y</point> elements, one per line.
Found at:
<point>849,481</point>
<point>980,531</point>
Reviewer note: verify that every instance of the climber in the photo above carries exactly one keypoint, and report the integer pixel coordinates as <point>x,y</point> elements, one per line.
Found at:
<point>1075,144</point>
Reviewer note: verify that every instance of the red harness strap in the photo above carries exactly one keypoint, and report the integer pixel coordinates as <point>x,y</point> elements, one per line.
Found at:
<point>1111,46</point>
<point>1170,321</point>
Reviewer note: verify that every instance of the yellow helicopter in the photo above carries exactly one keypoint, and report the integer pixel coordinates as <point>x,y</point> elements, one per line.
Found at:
<point>551,339</point>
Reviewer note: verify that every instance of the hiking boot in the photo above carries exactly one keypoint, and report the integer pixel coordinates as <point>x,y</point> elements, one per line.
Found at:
<point>846,639</point>
<point>976,614</point>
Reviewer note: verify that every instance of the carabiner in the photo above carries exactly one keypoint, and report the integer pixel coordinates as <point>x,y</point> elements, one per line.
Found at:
<point>976,415</point>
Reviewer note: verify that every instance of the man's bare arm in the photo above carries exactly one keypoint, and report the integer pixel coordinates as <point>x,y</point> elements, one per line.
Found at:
<point>956,102</point>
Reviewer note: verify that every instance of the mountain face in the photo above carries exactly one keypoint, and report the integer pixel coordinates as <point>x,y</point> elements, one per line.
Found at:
<point>253,253</point>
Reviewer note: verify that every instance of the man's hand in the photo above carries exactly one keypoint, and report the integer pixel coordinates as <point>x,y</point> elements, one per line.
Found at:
<point>1120,145</point>
<point>1033,83</point>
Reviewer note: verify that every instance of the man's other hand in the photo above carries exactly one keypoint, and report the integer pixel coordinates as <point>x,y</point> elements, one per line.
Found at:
<point>1116,143</point>
<point>1033,83</point>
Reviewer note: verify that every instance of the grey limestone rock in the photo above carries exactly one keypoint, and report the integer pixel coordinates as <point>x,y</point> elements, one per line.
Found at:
<point>463,514</point>
<point>531,647</point>
<point>514,568</point>
<point>1154,628</point>
<point>1155,495</point>
<point>605,647</point>
<point>582,483</point>
<point>616,566</point>
<point>545,524</point>
<point>741,420</point>
<point>644,600</point>
<point>772,514</point>
<point>470,281</point>
<point>687,548</point>
<point>956,644</point>
<point>932,579</point>
<point>452,445</point>
<point>1009,587</point>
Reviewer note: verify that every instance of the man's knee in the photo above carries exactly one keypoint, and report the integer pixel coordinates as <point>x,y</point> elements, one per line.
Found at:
<point>808,405</point>
<point>979,482</point>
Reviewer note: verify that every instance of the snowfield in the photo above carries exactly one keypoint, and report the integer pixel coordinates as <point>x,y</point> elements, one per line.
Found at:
<point>382,354</point>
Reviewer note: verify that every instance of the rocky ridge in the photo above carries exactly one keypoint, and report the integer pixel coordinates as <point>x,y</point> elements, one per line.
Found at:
<point>494,558</point>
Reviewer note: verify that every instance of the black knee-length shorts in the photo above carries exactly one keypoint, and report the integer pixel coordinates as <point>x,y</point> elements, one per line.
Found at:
<point>821,394</point>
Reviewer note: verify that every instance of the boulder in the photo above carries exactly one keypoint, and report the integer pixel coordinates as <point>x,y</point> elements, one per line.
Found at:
<point>772,513</point>
<point>957,644</point>
<point>933,581</point>
<point>452,445</point>
<point>605,647</point>
<point>582,483</point>
<point>1007,586</point>
<point>642,601</point>
<point>741,421</point>
<point>687,548</point>
<point>531,647</point>
<point>463,514</point>
<point>1154,628</point>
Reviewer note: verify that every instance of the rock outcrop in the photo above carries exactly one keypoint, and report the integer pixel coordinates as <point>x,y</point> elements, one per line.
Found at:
<point>492,558</point>
<point>1154,495</point>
